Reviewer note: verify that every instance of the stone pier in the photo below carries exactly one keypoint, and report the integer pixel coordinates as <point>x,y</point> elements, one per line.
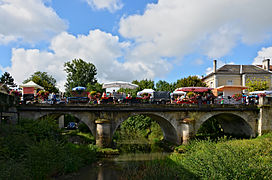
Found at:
<point>103,132</point>
<point>61,121</point>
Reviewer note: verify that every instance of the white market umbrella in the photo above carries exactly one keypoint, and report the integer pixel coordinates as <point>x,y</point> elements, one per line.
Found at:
<point>32,84</point>
<point>149,91</point>
<point>120,84</point>
<point>179,93</point>
<point>79,88</point>
<point>259,92</point>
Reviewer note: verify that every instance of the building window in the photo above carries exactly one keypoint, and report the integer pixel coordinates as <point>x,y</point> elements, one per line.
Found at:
<point>229,82</point>
<point>211,84</point>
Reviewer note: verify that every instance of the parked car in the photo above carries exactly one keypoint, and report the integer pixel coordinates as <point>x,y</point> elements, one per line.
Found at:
<point>161,97</point>
<point>71,125</point>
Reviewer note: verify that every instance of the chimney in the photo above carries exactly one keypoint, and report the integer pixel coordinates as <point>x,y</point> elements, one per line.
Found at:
<point>214,66</point>
<point>266,64</point>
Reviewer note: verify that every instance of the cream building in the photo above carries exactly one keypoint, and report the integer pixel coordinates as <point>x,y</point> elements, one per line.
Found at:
<point>237,75</point>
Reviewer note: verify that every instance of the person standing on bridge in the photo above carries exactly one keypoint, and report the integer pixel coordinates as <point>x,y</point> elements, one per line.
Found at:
<point>114,95</point>
<point>54,98</point>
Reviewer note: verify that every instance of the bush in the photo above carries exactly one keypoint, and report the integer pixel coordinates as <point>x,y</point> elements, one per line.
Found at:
<point>44,159</point>
<point>12,169</point>
<point>236,159</point>
<point>46,128</point>
<point>75,156</point>
<point>37,150</point>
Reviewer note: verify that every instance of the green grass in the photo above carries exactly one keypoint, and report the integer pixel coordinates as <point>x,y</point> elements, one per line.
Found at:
<point>86,137</point>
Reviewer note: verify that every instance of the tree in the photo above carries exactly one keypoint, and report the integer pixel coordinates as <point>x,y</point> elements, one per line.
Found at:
<point>257,84</point>
<point>7,79</point>
<point>144,84</point>
<point>165,86</point>
<point>190,81</point>
<point>96,87</point>
<point>45,80</point>
<point>79,73</point>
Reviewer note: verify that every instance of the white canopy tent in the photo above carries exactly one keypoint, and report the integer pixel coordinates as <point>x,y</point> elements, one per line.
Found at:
<point>31,84</point>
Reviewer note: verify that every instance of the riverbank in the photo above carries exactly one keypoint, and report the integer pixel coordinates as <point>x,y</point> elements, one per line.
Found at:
<point>232,159</point>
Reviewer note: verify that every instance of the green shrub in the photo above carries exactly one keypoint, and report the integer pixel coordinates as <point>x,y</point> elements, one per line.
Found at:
<point>44,159</point>
<point>37,150</point>
<point>46,128</point>
<point>12,169</point>
<point>236,159</point>
<point>75,156</point>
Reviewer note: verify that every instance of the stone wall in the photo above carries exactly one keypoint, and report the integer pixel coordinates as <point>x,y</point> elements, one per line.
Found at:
<point>223,79</point>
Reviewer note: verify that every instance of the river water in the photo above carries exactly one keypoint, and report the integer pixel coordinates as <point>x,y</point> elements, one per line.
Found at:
<point>112,168</point>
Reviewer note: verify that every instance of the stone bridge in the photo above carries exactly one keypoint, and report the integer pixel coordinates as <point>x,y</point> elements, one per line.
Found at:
<point>178,122</point>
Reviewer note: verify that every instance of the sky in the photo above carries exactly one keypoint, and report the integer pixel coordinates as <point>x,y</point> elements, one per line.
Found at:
<point>132,40</point>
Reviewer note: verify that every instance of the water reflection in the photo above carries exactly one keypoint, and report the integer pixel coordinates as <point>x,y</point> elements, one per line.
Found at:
<point>112,168</point>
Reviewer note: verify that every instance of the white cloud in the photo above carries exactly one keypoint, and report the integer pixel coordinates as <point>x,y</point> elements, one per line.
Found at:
<point>111,5</point>
<point>100,48</point>
<point>198,62</point>
<point>264,53</point>
<point>28,20</point>
<point>178,27</point>
<point>6,39</point>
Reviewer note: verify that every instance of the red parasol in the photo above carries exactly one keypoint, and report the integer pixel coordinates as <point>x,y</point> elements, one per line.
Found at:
<point>194,89</point>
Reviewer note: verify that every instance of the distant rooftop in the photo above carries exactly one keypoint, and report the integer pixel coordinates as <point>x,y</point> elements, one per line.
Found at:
<point>240,69</point>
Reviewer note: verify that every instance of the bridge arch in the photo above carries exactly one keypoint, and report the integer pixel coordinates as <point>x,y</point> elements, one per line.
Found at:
<point>235,123</point>
<point>80,116</point>
<point>168,129</point>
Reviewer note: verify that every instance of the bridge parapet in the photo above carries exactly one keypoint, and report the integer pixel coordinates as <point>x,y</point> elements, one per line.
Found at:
<point>137,107</point>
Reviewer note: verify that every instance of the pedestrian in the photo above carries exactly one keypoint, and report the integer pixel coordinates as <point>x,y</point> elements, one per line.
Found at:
<point>54,98</point>
<point>199,99</point>
<point>114,96</point>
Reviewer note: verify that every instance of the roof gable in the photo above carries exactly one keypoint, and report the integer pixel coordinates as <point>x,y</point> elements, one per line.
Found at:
<point>239,69</point>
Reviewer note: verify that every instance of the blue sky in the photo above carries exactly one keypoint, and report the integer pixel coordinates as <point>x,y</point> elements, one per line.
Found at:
<point>128,40</point>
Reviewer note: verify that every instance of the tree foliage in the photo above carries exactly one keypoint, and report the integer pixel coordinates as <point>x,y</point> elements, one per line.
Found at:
<point>139,122</point>
<point>45,80</point>
<point>257,84</point>
<point>95,87</point>
<point>165,86</point>
<point>144,84</point>
<point>7,79</point>
<point>79,73</point>
<point>190,81</point>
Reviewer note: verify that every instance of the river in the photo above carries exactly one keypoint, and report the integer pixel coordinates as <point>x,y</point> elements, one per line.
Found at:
<point>111,168</point>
